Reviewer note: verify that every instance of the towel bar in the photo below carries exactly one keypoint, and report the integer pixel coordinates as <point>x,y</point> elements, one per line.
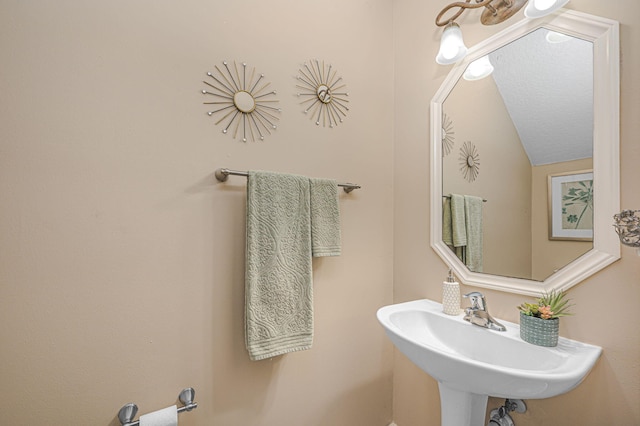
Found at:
<point>449,196</point>
<point>222,175</point>
<point>128,412</point>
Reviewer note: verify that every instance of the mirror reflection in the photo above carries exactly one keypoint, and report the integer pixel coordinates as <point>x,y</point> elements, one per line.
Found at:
<point>524,114</point>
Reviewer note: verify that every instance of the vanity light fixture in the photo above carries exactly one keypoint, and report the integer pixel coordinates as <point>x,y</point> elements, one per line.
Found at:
<point>452,47</point>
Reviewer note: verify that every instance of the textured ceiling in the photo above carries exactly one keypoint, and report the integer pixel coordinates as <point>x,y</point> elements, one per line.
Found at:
<point>548,90</point>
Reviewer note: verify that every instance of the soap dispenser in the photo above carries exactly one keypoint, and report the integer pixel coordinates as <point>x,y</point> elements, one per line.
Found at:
<point>451,296</point>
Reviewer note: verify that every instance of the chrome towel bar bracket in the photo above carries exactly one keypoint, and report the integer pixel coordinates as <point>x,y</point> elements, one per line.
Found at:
<point>129,411</point>
<point>223,174</point>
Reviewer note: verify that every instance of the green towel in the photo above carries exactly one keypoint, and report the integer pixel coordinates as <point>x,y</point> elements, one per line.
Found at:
<point>458,221</point>
<point>447,225</point>
<point>462,229</point>
<point>278,275</point>
<point>458,226</point>
<point>473,220</point>
<point>325,218</point>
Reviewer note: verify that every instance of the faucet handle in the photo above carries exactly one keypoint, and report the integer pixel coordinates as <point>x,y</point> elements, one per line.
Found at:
<point>477,300</point>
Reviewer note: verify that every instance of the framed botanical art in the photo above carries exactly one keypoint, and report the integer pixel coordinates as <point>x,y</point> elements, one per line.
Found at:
<point>571,206</point>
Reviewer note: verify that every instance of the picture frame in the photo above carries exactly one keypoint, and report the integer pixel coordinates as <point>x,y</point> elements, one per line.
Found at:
<point>570,204</point>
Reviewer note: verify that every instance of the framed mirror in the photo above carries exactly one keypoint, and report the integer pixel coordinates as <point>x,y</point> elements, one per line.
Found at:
<point>550,108</point>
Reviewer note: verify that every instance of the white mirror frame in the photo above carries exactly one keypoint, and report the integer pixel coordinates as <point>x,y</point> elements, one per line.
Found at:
<point>604,34</point>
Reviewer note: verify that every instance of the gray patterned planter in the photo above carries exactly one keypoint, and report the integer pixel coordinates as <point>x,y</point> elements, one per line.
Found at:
<point>539,331</point>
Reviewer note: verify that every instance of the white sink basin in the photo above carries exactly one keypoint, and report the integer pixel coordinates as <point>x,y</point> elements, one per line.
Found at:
<point>471,363</point>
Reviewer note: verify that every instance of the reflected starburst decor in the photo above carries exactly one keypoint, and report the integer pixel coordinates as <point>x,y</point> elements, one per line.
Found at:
<point>469,161</point>
<point>448,139</point>
<point>320,89</point>
<point>243,100</point>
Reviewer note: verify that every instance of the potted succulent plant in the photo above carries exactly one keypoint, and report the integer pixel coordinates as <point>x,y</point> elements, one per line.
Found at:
<point>540,321</point>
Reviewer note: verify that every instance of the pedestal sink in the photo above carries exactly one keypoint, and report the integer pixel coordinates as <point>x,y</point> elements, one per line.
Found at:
<point>472,363</point>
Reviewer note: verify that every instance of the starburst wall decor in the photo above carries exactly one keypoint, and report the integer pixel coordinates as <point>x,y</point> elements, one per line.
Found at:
<point>447,135</point>
<point>469,161</point>
<point>243,100</point>
<point>321,92</point>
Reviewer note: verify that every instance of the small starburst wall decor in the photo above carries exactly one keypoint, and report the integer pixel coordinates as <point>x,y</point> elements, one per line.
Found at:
<point>447,135</point>
<point>243,100</point>
<point>469,161</point>
<point>322,93</point>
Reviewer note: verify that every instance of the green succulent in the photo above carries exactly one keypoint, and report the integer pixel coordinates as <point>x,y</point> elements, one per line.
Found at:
<point>549,306</point>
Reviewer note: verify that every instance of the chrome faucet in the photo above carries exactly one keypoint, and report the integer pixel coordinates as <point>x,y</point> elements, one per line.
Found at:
<point>477,313</point>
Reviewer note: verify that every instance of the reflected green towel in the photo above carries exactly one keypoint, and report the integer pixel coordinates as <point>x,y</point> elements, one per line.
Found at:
<point>473,219</point>
<point>447,225</point>
<point>458,221</point>
<point>462,228</point>
<point>278,275</point>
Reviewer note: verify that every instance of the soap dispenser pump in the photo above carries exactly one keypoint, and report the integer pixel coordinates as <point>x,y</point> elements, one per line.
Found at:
<point>451,295</point>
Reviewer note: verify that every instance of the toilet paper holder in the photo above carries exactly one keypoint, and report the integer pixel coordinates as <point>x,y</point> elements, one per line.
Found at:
<point>129,411</point>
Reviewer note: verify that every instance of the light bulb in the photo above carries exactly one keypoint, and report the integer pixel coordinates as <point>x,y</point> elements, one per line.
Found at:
<point>543,4</point>
<point>554,37</point>
<point>480,68</point>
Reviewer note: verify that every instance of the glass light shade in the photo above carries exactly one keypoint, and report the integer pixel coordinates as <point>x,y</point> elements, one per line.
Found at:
<point>478,69</point>
<point>555,38</point>
<point>452,47</point>
<point>540,8</point>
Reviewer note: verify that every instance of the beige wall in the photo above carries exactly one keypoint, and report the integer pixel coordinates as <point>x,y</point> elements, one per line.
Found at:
<point>606,303</point>
<point>121,256</point>
<point>550,255</point>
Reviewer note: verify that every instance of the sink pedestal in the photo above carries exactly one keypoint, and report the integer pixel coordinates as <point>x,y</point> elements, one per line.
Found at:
<point>458,408</point>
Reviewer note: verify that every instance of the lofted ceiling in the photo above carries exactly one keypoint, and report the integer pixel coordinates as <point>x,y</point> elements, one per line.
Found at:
<point>547,87</point>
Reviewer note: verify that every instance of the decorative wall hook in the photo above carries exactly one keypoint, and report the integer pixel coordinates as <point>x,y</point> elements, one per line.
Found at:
<point>627,227</point>
<point>321,93</point>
